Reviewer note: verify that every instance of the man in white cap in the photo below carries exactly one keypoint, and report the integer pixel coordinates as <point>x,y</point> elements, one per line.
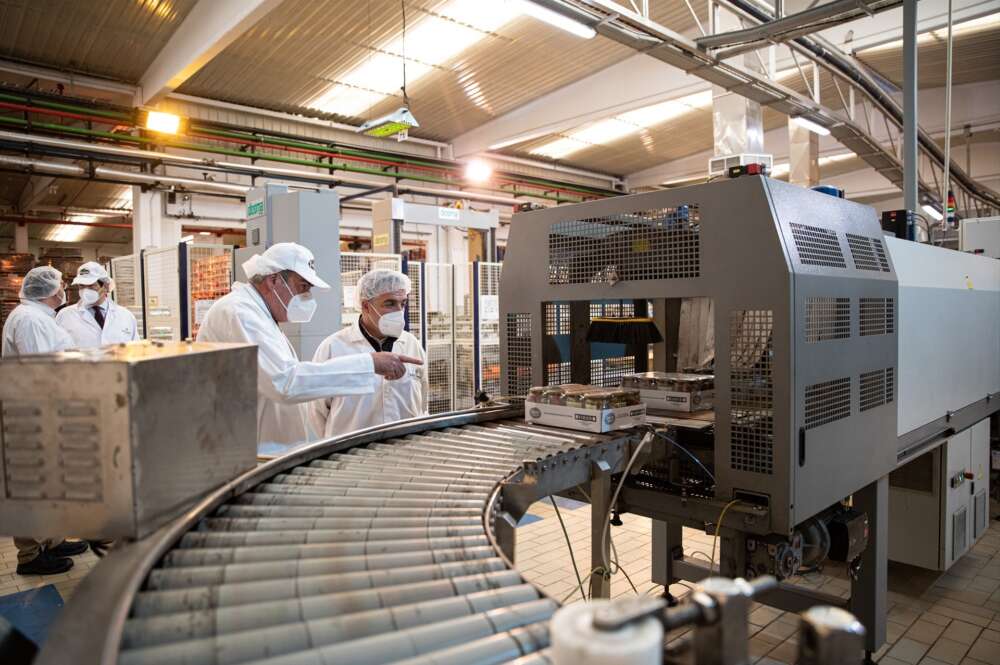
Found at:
<point>382,297</point>
<point>279,290</point>
<point>32,328</point>
<point>95,320</point>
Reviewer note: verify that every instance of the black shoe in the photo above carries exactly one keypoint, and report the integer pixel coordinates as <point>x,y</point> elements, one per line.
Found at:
<point>45,564</point>
<point>68,548</point>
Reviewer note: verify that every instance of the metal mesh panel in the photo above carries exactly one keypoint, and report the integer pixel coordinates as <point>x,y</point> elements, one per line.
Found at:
<point>612,310</point>
<point>827,401</point>
<point>751,402</point>
<point>161,286</point>
<point>876,388</point>
<point>817,246</point>
<point>557,321</point>
<point>415,307</point>
<point>352,267</point>
<point>827,318</point>
<point>664,243</point>
<point>876,316</point>
<point>465,362</point>
<point>608,372</point>
<point>439,304</point>
<point>868,253</point>
<point>210,276</point>
<point>489,327</point>
<point>518,354</point>
<point>124,271</point>
<point>557,374</point>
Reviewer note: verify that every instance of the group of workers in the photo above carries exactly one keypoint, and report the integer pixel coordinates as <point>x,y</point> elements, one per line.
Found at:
<point>369,373</point>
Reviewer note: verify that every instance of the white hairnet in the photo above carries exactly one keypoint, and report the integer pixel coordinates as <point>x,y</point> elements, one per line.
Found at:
<point>40,283</point>
<point>381,280</point>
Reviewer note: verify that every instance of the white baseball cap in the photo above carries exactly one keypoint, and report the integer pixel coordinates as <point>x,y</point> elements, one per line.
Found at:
<point>89,273</point>
<point>285,256</point>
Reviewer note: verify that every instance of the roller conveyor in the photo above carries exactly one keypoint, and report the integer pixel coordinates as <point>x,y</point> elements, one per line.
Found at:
<point>375,548</point>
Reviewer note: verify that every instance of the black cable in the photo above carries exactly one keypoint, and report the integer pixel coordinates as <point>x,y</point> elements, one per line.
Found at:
<point>685,451</point>
<point>406,100</point>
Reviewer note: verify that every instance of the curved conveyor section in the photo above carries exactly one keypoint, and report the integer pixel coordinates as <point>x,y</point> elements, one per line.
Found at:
<point>380,551</point>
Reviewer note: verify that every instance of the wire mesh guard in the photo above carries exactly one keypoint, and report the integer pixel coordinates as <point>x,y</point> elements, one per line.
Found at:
<point>415,308</point>
<point>161,286</point>
<point>519,355</point>
<point>210,276</point>
<point>664,243</point>
<point>439,309</point>
<point>827,402</point>
<point>489,327</point>
<point>352,267</point>
<point>465,361</point>
<point>827,318</point>
<point>124,272</point>
<point>751,403</point>
<point>876,316</point>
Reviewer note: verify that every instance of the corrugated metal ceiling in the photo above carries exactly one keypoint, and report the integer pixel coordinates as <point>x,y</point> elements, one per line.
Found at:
<point>300,49</point>
<point>975,57</point>
<point>113,38</point>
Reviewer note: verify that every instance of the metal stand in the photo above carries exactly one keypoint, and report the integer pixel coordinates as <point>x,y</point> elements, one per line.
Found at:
<point>666,539</point>
<point>870,587</point>
<point>600,501</point>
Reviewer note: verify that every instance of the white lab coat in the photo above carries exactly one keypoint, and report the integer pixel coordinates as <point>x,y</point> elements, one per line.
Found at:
<point>78,320</point>
<point>32,328</point>
<point>391,400</point>
<point>284,383</point>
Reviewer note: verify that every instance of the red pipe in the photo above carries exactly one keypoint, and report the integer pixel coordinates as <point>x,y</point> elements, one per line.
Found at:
<point>40,220</point>
<point>59,114</point>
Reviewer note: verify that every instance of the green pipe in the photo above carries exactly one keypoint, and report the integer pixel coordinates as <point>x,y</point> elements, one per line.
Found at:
<point>237,153</point>
<point>130,118</point>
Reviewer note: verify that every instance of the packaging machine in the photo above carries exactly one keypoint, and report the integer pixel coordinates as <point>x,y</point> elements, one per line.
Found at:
<point>396,544</point>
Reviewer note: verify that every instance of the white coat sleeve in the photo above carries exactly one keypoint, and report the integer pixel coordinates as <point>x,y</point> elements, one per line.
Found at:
<point>135,327</point>
<point>319,410</point>
<point>33,336</point>
<point>284,379</point>
<point>425,384</point>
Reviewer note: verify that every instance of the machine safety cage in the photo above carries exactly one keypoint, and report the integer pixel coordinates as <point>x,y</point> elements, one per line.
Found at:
<point>124,270</point>
<point>180,284</point>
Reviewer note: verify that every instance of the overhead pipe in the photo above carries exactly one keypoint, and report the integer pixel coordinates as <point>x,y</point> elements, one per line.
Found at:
<point>42,166</point>
<point>154,179</point>
<point>41,220</point>
<point>194,162</point>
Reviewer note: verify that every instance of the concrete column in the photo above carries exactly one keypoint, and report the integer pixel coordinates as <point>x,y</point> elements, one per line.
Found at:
<point>150,228</point>
<point>21,238</point>
<point>803,156</point>
<point>737,122</point>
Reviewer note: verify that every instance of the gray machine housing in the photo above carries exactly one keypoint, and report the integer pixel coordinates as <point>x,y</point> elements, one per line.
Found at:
<point>805,299</point>
<point>311,219</point>
<point>113,442</point>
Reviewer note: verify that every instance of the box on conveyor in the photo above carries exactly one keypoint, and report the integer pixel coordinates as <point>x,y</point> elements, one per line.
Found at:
<point>585,408</point>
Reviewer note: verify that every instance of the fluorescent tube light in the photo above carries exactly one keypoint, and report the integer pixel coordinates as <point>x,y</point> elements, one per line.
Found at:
<point>556,19</point>
<point>932,212</point>
<point>811,126</point>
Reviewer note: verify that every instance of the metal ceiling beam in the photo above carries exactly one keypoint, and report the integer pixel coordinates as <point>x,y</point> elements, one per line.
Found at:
<point>794,25</point>
<point>209,28</point>
<point>34,191</point>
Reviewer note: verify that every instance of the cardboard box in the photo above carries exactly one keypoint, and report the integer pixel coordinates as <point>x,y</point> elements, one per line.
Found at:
<point>586,420</point>
<point>701,400</point>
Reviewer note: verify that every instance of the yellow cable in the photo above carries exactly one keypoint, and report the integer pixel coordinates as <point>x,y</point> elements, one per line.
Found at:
<point>718,527</point>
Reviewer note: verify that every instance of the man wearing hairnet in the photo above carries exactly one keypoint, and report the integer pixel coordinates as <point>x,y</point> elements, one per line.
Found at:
<point>382,297</point>
<point>95,320</point>
<point>32,328</point>
<point>281,280</point>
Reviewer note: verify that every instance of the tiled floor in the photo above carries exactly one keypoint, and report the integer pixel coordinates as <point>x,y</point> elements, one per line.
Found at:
<point>949,619</point>
<point>934,619</point>
<point>64,584</point>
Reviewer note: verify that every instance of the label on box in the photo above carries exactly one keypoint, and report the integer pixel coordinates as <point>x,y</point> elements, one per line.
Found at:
<point>587,420</point>
<point>701,400</point>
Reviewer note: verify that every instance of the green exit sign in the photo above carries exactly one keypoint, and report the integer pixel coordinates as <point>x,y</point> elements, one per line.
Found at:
<point>255,209</point>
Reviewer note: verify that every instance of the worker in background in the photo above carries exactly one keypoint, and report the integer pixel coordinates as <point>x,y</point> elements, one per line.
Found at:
<point>382,297</point>
<point>32,328</point>
<point>95,320</point>
<point>281,280</point>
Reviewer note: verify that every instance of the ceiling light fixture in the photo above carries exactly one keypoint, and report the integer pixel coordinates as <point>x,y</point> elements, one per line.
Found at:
<point>478,171</point>
<point>397,123</point>
<point>810,125</point>
<point>932,212</point>
<point>556,19</point>
<point>165,123</point>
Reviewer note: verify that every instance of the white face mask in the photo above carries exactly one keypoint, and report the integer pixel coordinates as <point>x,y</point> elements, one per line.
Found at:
<point>300,308</point>
<point>89,297</point>
<point>62,298</point>
<point>392,324</point>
